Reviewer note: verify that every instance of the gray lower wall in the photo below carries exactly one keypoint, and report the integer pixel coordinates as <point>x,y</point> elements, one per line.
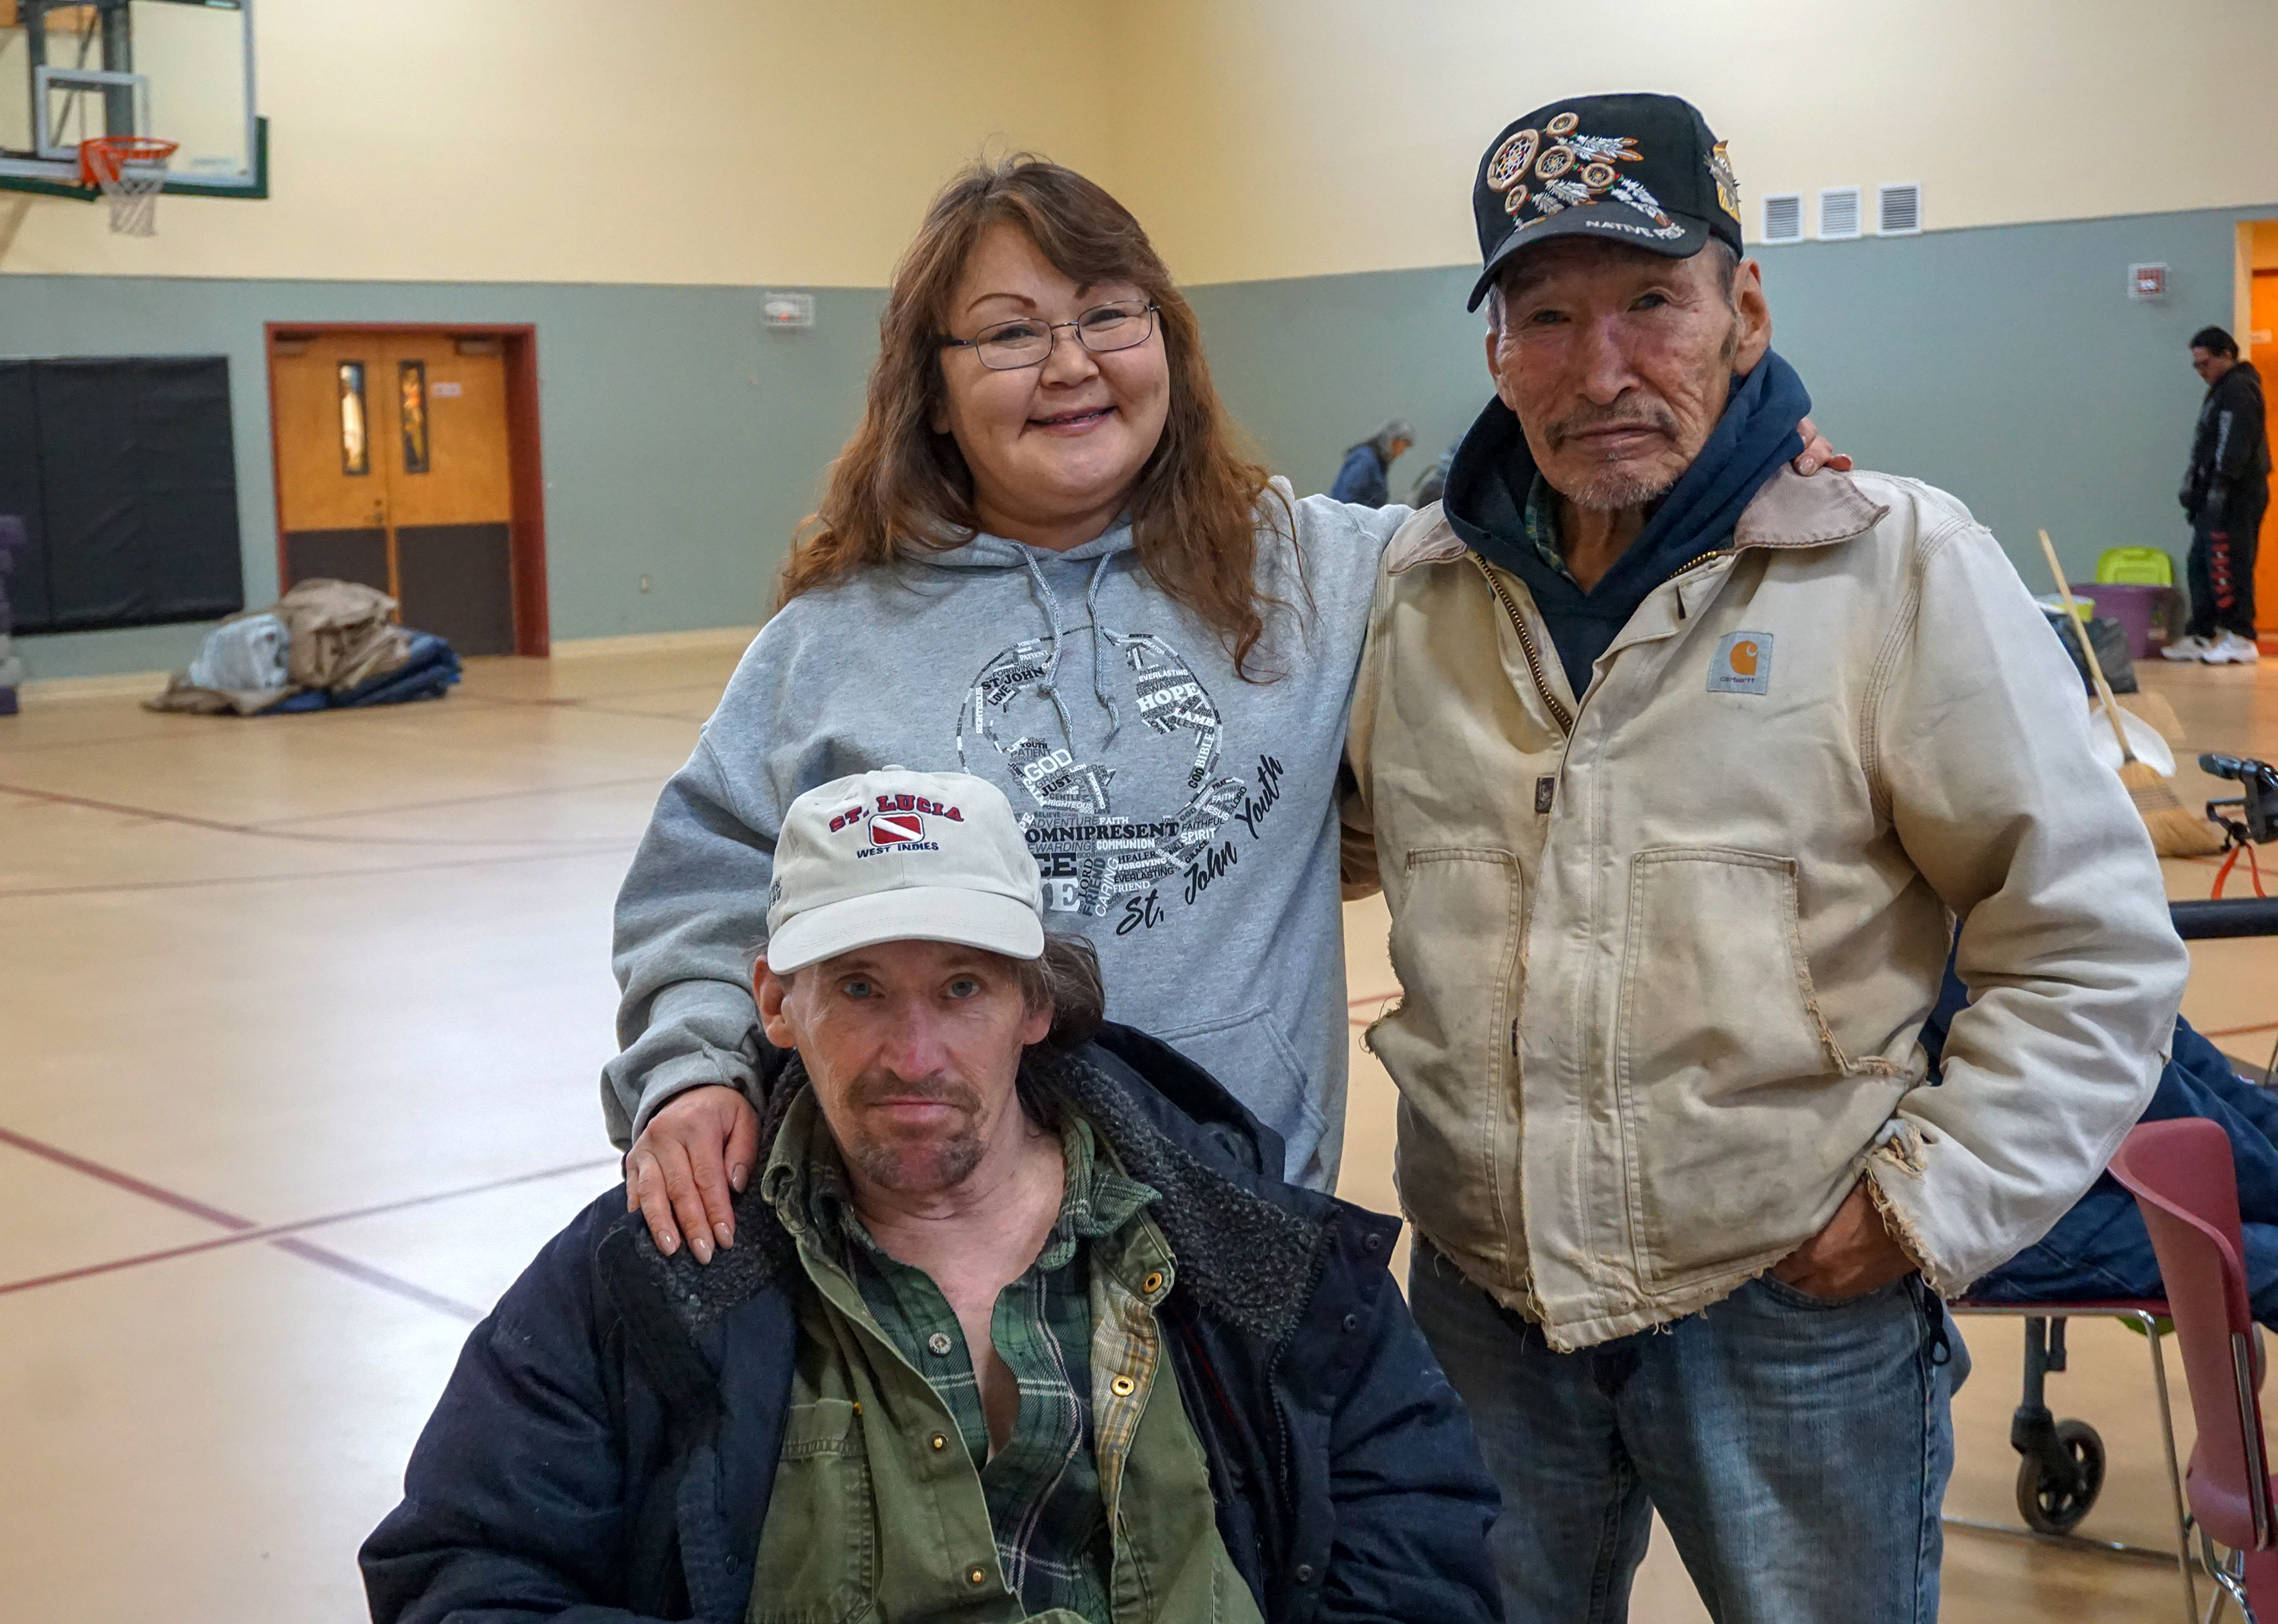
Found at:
<point>2007,365</point>
<point>683,442</point>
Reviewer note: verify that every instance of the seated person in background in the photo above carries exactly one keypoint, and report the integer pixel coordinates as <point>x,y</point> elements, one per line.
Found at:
<point>1015,1323</point>
<point>1361,476</point>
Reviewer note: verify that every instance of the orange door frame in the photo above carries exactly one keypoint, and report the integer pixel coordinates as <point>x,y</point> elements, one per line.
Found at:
<point>525,474</point>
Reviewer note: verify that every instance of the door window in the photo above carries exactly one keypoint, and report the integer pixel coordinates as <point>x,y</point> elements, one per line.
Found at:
<point>411,384</point>
<point>356,441</point>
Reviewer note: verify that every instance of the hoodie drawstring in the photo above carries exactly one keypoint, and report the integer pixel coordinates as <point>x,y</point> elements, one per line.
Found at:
<point>1100,638</point>
<point>1049,601</point>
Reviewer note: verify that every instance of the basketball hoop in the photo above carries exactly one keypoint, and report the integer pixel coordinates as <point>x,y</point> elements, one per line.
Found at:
<point>132,170</point>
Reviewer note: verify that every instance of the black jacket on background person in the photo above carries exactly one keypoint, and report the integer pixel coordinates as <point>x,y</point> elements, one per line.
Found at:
<point>2230,447</point>
<point>606,1448</point>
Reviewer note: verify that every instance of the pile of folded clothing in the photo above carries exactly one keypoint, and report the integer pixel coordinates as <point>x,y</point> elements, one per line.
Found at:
<point>12,542</point>
<point>324,645</point>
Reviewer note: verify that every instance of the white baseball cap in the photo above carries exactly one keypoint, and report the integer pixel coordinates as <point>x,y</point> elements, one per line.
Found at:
<point>897,856</point>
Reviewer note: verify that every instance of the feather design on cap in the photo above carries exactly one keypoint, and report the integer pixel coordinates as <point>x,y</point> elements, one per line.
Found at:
<point>1606,149</point>
<point>1643,201</point>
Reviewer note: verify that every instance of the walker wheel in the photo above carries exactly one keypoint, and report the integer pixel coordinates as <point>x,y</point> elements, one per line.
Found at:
<point>2049,1507</point>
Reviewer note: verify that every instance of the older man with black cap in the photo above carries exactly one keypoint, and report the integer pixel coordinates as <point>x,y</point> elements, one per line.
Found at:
<point>1677,768</point>
<point>1016,1321</point>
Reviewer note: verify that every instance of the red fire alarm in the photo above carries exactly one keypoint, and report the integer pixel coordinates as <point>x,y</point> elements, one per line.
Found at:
<point>2147,281</point>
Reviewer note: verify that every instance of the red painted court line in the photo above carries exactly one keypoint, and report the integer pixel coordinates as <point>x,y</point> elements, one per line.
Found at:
<point>284,1236</point>
<point>325,1257</point>
<point>127,1182</point>
<point>2240,1032</point>
<point>60,799</point>
<point>273,1232</point>
<point>600,848</point>
<point>217,826</point>
<point>1379,999</point>
<point>463,800</point>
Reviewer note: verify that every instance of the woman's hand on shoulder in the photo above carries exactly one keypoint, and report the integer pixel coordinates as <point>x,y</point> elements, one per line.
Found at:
<point>1817,454</point>
<point>692,1160</point>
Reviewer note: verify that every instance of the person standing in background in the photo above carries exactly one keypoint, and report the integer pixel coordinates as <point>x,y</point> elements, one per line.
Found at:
<point>2225,490</point>
<point>1360,478</point>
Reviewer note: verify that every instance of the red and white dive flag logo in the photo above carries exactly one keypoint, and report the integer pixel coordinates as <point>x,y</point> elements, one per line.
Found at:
<point>897,829</point>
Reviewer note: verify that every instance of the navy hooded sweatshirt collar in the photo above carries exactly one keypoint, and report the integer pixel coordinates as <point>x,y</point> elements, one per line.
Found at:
<point>1486,505</point>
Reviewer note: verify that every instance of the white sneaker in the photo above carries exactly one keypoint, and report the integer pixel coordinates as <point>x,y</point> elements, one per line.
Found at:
<point>2230,649</point>
<point>2187,648</point>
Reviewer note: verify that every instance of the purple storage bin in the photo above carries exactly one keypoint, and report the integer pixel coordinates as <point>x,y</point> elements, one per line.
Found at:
<point>2137,608</point>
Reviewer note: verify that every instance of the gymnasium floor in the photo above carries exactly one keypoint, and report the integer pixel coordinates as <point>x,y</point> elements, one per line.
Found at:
<point>303,1021</point>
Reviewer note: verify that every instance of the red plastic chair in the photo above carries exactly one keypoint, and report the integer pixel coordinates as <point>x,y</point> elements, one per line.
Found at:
<point>2180,1175</point>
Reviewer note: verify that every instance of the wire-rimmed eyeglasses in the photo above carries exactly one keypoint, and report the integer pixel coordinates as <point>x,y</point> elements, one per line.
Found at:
<point>1026,341</point>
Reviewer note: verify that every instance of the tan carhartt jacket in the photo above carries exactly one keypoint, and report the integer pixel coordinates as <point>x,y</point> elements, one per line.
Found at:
<point>1665,952</point>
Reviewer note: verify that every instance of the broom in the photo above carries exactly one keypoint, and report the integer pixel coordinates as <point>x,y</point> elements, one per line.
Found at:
<point>2176,831</point>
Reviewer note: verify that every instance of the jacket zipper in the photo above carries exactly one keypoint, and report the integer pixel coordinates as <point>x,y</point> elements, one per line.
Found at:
<point>1559,713</point>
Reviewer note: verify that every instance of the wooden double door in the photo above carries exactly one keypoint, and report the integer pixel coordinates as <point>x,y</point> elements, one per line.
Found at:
<point>394,470</point>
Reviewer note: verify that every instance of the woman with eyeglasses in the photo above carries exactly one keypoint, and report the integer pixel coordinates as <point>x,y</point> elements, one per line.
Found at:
<point>1042,558</point>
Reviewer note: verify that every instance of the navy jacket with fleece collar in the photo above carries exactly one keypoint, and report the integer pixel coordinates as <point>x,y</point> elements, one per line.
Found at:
<point>605,1450</point>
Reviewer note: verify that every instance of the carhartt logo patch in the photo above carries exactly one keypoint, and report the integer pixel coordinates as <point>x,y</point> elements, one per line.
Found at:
<point>1743,664</point>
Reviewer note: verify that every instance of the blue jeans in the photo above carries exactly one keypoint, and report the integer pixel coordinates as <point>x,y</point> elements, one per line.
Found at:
<point>1797,1447</point>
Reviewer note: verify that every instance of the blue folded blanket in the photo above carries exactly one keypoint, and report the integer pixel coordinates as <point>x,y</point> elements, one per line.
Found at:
<point>2100,1249</point>
<point>428,674</point>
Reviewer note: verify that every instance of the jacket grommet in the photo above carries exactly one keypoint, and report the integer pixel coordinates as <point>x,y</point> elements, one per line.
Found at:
<point>1352,1324</point>
<point>1372,1243</point>
<point>976,1575</point>
<point>938,1442</point>
<point>1305,1573</point>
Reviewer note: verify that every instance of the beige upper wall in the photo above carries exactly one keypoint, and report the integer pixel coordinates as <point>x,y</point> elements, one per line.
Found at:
<point>585,140</point>
<point>1299,137</point>
<point>796,141</point>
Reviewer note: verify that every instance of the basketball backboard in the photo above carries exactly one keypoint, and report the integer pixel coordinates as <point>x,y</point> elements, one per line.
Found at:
<point>178,70</point>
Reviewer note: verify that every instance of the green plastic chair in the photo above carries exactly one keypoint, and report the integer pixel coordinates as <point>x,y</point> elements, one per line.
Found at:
<point>2134,567</point>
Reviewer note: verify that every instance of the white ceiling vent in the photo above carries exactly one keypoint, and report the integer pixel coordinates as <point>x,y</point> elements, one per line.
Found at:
<point>1838,213</point>
<point>1784,217</point>
<point>1898,209</point>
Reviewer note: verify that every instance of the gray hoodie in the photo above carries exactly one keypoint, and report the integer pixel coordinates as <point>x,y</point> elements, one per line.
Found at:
<point>1183,819</point>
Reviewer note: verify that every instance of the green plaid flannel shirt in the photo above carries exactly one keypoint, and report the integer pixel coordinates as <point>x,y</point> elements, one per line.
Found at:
<point>1043,1489</point>
<point>1540,514</point>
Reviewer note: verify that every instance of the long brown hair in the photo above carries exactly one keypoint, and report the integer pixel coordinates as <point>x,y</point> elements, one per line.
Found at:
<point>899,488</point>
